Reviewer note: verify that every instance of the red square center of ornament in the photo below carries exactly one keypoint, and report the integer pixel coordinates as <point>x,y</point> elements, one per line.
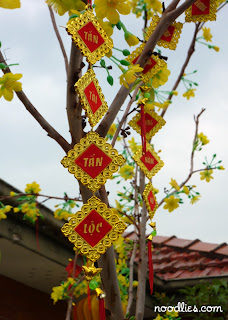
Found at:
<point>168,34</point>
<point>150,64</point>
<point>149,160</point>
<point>93,228</point>
<point>149,121</point>
<point>93,97</point>
<point>151,200</point>
<point>93,160</point>
<point>91,36</point>
<point>201,7</point>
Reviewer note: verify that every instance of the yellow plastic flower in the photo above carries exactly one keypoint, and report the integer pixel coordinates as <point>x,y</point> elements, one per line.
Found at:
<point>32,188</point>
<point>133,145</point>
<point>221,168</point>
<point>190,93</point>
<point>171,203</point>
<point>216,48</point>
<point>62,6</point>
<point>60,214</point>
<point>174,93</point>
<point>155,5</point>
<point>203,138</point>
<point>161,77</point>
<point>130,76</point>
<point>174,184</point>
<point>57,293</point>
<point>172,313</point>
<point>207,175</point>
<point>10,4</point>
<point>126,172</point>
<point>186,190</point>
<point>135,284</point>
<point>112,130</point>
<point>4,210</point>
<point>107,26</point>
<point>158,317</point>
<point>207,34</point>
<point>9,84</point>
<point>131,39</point>
<point>195,199</point>
<point>110,9</point>
<point>15,210</point>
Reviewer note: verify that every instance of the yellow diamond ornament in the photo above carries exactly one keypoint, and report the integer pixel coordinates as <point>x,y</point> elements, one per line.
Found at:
<point>93,229</point>
<point>93,161</point>
<point>89,36</point>
<point>91,97</point>
<point>150,200</point>
<point>150,163</point>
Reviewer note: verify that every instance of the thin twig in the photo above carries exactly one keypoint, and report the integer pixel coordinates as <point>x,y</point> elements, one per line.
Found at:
<point>191,171</point>
<point>39,195</point>
<point>58,37</point>
<point>132,100</point>
<point>52,133</point>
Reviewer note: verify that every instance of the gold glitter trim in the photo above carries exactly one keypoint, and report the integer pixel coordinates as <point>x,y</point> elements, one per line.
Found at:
<point>145,194</point>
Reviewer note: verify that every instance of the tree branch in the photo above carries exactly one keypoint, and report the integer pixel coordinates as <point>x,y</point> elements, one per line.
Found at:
<point>52,133</point>
<point>131,273</point>
<point>167,18</point>
<point>59,38</point>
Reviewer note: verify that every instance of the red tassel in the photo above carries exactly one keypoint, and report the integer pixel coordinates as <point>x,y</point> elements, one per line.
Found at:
<point>75,313</point>
<point>101,309</point>
<point>143,129</point>
<point>150,264</point>
<point>89,299</point>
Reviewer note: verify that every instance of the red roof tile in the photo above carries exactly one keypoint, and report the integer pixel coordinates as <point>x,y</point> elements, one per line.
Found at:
<point>175,258</point>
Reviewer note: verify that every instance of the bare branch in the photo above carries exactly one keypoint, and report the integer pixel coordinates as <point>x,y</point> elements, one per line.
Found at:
<point>191,171</point>
<point>52,133</point>
<point>59,38</point>
<point>167,18</point>
<point>125,114</point>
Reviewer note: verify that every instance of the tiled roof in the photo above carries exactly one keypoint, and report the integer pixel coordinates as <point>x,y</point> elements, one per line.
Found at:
<point>175,258</point>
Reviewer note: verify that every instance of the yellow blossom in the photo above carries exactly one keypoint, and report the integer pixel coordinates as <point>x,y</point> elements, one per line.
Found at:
<point>135,284</point>
<point>171,203</point>
<point>9,84</point>
<point>158,317</point>
<point>155,5</point>
<point>216,48</point>
<point>195,199</point>
<point>207,175</point>
<point>123,280</point>
<point>15,210</point>
<point>190,93</point>
<point>130,76</point>
<point>109,54</point>
<point>62,6</point>
<point>8,208</point>
<point>203,138</point>
<point>131,39</point>
<point>112,130</point>
<point>207,34</point>
<point>174,184</point>
<point>2,213</point>
<point>133,145</point>
<point>107,26</point>
<point>111,9</point>
<point>60,214</point>
<point>172,313</point>
<point>126,172</point>
<point>12,194</point>
<point>175,93</point>
<point>32,188</point>
<point>57,293</point>
<point>161,77</point>
<point>10,4</point>
<point>221,168</point>
<point>186,190</point>
<point>127,220</point>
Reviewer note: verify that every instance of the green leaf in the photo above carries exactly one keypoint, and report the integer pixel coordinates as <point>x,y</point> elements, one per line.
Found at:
<point>118,25</point>
<point>102,63</point>
<point>3,66</point>
<point>0,44</point>
<point>126,52</point>
<point>125,63</point>
<point>73,16</point>
<point>110,80</point>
